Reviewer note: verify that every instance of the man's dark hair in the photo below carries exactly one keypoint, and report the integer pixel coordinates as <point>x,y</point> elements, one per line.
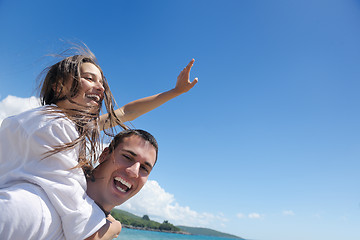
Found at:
<point>130,132</point>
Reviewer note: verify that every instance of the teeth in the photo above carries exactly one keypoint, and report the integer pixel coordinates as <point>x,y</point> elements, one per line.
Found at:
<point>96,97</point>
<point>127,184</point>
<point>120,189</point>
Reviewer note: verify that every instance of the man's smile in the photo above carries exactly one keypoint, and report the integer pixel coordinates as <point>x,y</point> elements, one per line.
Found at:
<point>122,185</point>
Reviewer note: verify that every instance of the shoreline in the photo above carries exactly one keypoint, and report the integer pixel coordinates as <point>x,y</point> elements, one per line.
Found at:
<point>155,230</point>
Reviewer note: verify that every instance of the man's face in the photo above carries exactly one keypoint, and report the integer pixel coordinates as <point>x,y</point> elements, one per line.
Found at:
<point>124,172</point>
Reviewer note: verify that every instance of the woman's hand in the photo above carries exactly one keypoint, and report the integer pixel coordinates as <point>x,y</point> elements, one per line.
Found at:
<point>109,231</point>
<point>183,83</point>
<point>115,225</point>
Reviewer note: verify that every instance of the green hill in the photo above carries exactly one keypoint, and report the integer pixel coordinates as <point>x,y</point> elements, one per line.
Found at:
<point>132,221</point>
<point>207,232</point>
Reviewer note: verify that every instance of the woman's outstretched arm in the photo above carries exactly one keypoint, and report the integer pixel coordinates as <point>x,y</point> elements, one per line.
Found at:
<point>141,106</point>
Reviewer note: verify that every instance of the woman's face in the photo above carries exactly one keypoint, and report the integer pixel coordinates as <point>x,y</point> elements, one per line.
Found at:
<point>91,91</point>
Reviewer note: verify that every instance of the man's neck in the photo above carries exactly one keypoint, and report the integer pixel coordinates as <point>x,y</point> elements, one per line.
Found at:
<point>94,195</point>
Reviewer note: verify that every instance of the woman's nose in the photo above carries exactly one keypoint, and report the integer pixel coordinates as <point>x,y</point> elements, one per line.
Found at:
<point>100,87</point>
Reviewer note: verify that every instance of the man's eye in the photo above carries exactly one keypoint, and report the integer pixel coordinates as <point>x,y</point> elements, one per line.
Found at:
<point>145,169</point>
<point>127,157</point>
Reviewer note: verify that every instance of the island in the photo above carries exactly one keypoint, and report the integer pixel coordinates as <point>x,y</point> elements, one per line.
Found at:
<point>129,220</point>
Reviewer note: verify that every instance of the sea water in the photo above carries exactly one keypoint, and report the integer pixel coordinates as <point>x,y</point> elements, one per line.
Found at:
<point>133,234</point>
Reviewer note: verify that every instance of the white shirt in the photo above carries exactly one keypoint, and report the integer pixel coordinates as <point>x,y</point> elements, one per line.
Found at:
<point>24,141</point>
<point>27,213</point>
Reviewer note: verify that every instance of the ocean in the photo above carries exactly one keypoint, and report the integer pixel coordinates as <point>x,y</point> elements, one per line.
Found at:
<point>133,234</point>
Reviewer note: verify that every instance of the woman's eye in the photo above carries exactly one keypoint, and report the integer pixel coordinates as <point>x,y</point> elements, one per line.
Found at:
<point>90,79</point>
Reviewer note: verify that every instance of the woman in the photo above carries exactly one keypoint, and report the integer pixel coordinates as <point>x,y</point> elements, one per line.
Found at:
<point>55,140</point>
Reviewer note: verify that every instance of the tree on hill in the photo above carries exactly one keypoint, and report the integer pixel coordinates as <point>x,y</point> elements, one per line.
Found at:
<point>146,217</point>
<point>166,226</point>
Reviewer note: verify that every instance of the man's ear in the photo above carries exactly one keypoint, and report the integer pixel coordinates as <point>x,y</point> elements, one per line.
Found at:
<point>104,155</point>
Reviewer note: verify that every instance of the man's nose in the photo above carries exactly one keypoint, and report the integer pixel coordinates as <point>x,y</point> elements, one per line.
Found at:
<point>133,170</point>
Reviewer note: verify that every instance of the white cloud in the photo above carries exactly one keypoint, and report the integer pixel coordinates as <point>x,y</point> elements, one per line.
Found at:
<point>249,216</point>
<point>160,205</point>
<point>240,215</point>
<point>12,105</point>
<point>254,216</point>
<point>288,213</point>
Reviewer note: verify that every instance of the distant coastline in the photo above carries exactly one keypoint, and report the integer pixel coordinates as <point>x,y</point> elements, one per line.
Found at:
<point>131,221</point>
<point>155,230</point>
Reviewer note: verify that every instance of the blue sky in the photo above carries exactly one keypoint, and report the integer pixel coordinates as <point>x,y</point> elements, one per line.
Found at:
<point>266,146</point>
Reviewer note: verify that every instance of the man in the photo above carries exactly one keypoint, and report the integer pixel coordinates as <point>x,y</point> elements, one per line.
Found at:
<point>123,169</point>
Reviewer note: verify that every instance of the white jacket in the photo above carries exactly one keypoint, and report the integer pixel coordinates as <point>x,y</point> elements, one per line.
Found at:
<point>27,213</point>
<point>24,139</point>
